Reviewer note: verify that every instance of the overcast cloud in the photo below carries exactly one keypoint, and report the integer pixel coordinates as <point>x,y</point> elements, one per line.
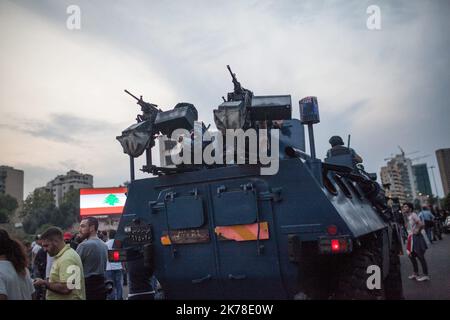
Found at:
<point>61,93</point>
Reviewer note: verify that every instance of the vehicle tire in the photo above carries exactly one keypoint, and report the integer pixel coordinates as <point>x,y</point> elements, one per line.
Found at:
<point>393,286</point>
<point>352,278</point>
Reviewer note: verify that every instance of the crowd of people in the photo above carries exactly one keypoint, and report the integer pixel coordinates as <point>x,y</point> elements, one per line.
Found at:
<point>61,266</point>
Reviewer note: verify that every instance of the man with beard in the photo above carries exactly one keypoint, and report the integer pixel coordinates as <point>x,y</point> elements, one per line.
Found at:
<point>94,255</point>
<point>66,280</point>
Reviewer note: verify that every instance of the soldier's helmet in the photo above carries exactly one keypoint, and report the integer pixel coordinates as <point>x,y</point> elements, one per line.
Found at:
<point>335,141</point>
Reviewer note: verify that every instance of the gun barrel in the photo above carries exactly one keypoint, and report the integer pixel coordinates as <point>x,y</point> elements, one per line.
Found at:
<point>231,72</point>
<point>131,94</point>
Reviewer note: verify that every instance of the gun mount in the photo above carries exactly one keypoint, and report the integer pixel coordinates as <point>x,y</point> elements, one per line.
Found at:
<point>149,110</point>
<point>141,136</point>
<point>241,110</point>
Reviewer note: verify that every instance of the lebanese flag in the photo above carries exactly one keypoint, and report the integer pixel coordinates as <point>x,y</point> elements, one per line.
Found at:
<point>102,201</point>
<point>409,244</point>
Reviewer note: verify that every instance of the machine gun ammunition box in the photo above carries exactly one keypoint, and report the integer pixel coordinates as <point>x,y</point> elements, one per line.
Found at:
<point>271,108</point>
<point>182,116</point>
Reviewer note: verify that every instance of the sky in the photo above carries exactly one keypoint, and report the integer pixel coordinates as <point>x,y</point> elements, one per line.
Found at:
<point>62,102</point>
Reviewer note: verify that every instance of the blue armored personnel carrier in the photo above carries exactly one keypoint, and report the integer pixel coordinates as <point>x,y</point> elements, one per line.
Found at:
<point>243,226</point>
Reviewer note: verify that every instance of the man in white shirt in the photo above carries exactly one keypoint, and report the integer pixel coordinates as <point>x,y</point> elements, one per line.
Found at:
<point>114,272</point>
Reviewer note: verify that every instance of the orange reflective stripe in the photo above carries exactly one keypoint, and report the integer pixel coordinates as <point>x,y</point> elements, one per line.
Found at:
<point>244,232</point>
<point>165,241</point>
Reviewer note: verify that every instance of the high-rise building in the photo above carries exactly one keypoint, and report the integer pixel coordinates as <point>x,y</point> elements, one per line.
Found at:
<point>423,185</point>
<point>64,183</point>
<point>398,173</point>
<point>443,160</point>
<point>11,182</point>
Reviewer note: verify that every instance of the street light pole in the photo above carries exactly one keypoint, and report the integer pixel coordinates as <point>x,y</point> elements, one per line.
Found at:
<point>435,186</point>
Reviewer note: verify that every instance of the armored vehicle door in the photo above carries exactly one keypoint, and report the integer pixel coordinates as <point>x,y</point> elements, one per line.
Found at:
<point>189,266</point>
<point>246,240</point>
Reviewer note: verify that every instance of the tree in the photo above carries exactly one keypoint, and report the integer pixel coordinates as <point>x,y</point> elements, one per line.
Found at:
<point>432,200</point>
<point>41,229</point>
<point>37,201</point>
<point>69,209</point>
<point>40,210</point>
<point>417,205</point>
<point>446,203</point>
<point>8,206</point>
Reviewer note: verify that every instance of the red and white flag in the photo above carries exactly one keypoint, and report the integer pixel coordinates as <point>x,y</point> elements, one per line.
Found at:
<point>102,201</point>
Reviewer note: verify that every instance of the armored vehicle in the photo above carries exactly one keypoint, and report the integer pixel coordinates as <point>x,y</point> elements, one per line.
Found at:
<point>238,229</point>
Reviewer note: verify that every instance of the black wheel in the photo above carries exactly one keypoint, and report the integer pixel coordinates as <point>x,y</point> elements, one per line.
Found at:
<point>352,278</point>
<point>393,283</point>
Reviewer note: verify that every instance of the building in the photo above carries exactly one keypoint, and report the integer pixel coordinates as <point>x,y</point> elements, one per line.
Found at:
<point>398,173</point>
<point>64,183</point>
<point>443,160</point>
<point>423,185</point>
<point>11,183</point>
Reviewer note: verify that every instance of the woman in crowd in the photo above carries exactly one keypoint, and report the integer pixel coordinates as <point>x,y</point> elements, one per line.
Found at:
<point>15,280</point>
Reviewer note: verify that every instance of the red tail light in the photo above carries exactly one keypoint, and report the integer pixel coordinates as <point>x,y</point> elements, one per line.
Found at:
<point>116,255</point>
<point>335,246</point>
<point>341,244</point>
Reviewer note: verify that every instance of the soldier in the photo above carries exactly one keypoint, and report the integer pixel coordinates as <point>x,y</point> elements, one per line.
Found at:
<point>338,148</point>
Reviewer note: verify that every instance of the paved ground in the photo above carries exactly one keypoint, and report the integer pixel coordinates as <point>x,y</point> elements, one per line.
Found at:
<point>438,259</point>
<point>125,292</point>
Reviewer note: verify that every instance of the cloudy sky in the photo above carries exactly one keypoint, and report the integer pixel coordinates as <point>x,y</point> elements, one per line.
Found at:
<point>61,95</point>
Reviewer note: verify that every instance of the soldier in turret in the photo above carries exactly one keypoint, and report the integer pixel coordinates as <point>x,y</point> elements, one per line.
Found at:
<point>338,148</point>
